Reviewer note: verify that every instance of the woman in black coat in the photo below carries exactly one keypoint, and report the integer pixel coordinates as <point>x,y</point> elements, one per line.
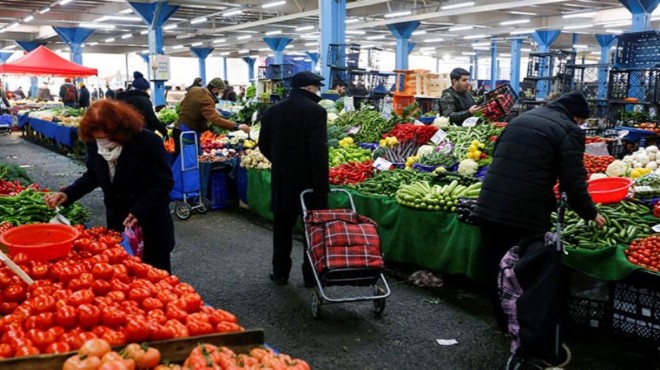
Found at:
<point>130,165</point>
<point>137,97</point>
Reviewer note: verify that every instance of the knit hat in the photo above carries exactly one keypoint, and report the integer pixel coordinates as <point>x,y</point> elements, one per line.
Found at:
<point>137,74</point>
<point>139,82</point>
<point>576,104</point>
<point>218,83</point>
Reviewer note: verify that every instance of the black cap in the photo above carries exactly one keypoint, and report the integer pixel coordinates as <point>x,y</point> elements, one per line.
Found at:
<point>306,78</point>
<point>576,104</point>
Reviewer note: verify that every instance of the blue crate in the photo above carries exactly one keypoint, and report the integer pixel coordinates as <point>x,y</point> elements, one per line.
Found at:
<point>221,194</point>
<point>638,49</point>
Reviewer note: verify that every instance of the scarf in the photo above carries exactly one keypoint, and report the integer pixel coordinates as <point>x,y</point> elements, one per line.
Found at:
<point>111,156</point>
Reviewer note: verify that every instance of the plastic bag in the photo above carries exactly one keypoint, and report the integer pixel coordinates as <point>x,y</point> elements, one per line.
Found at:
<point>596,149</point>
<point>135,240</point>
<point>59,219</point>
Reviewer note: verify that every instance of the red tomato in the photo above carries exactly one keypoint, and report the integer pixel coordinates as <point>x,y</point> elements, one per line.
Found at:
<point>151,303</point>
<point>14,293</point>
<point>58,347</point>
<point>116,296</point>
<point>103,271</point>
<point>115,338</point>
<point>20,258</point>
<point>45,320</point>
<point>162,332</point>
<point>139,294</point>
<point>66,316</point>
<point>85,296</point>
<point>121,273</point>
<point>6,351</point>
<point>7,308</point>
<point>43,303</point>
<point>39,270</point>
<point>119,285</point>
<point>137,330</point>
<point>113,317</point>
<point>78,362</point>
<point>174,312</point>
<point>94,347</point>
<point>88,316</point>
<point>28,350</point>
<point>43,339</point>
<point>166,296</point>
<point>80,338</point>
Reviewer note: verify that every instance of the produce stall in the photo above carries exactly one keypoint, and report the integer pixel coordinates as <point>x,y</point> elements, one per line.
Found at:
<point>61,135</point>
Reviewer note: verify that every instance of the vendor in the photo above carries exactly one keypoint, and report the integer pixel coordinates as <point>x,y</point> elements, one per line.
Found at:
<point>4,102</point>
<point>43,93</point>
<point>337,90</point>
<point>457,102</point>
<point>198,111</point>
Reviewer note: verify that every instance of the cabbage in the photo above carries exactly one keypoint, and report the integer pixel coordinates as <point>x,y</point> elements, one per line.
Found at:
<point>328,104</point>
<point>167,116</point>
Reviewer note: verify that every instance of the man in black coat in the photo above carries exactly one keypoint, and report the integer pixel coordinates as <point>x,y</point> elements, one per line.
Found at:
<point>137,97</point>
<point>517,198</point>
<point>83,96</point>
<point>294,138</point>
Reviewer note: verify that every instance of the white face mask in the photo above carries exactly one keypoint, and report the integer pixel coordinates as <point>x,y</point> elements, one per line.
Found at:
<point>106,143</point>
<point>318,93</point>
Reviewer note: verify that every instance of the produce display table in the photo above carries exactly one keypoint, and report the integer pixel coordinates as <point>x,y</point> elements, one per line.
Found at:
<point>62,135</point>
<point>437,240</point>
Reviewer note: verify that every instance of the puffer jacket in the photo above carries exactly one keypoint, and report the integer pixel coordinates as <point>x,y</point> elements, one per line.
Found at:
<point>536,149</point>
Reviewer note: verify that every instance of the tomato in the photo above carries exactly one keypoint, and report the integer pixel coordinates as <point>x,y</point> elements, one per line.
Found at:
<point>155,275</point>
<point>183,288</point>
<point>23,311</point>
<point>193,302</point>
<point>39,270</point>
<point>82,243</point>
<point>7,308</point>
<point>174,312</point>
<point>198,326</point>
<point>97,247</point>
<point>140,269</point>
<point>57,331</point>
<point>121,273</point>
<point>45,320</point>
<point>219,315</point>
<point>131,308</point>
<point>116,296</point>
<point>43,303</point>
<point>80,338</point>
<point>226,327</point>
<point>28,350</point>
<point>103,271</point>
<point>137,329</point>
<point>166,296</point>
<point>78,362</point>
<point>139,294</point>
<point>58,347</point>
<point>162,332</point>
<point>112,317</point>
<point>180,330</point>
<point>20,258</point>
<point>14,293</point>
<point>6,351</point>
<point>113,365</point>
<point>145,357</point>
<point>157,316</point>
<point>115,338</point>
<point>94,347</point>
<point>119,285</point>
<point>5,279</point>
<point>66,316</point>
<point>62,294</point>
<point>88,316</point>
<point>115,255</point>
<point>43,339</point>
<point>151,303</point>
<point>85,296</point>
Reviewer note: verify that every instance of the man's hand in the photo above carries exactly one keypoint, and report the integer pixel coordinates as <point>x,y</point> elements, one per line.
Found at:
<point>600,221</point>
<point>54,199</point>
<point>243,127</point>
<point>475,108</point>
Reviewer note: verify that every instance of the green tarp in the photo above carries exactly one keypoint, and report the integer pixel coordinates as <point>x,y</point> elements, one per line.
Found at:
<point>436,240</point>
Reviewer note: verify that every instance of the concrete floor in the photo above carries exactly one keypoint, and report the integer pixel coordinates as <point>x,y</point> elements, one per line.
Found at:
<point>225,255</point>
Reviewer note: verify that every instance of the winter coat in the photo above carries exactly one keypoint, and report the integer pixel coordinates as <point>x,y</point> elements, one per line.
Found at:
<point>198,108</point>
<point>83,97</point>
<point>294,138</point>
<point>142,184</point>
<point>140,101</point>
<point>451,105</point>
<point>536,149</point>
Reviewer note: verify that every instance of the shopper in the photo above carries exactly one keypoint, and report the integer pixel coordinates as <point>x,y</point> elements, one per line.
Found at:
<point>294,138</point>
<point>198,109</point>
<point>109,93</point>
<point>43,93</point>
<point>68,93</point>
<point>18,93</point>
<point>229,94</point>
<point>537,149</point>
<point>4,101</point>
<point>129,164</point>
<point>197,82</point>
<point>83,100</point>
<point>457,102</point>
<point>138,98</point>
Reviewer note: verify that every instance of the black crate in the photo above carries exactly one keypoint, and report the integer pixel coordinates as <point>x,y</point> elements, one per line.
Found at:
<point>638,49</point>
<point>586,78</point>
<point>636,310</point>
<point>629,114</point>
<point>343,56</point>
<point>643,84</point>
<point>370,59</point>
<point>551,64</point>
<point>382,83</point>
<point>280,71</point>
<point>359,83</point>
<point>336,75</point>
<point>589,312</point>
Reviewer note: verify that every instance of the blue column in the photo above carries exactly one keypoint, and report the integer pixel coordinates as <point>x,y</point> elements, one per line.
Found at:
<point>277,45</point>
<point>315,60</point>
<point>29,46</point>
<point>514,78</point>
<point>402,33</point>
<point>641,13</point>
<point>74,37</point>
<point>475,76</point>
<point>606,42</point>
<point>543,41</point>
<point>201,54</point>
<point>4,55</point>
<point>493,64</point>
<point>224,68</point>
<point>250,62</point>
<point>154,16</point>
<point>332,24</point>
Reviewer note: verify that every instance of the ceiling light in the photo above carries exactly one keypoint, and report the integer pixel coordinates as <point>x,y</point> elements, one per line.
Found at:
<point>177,47</point>
<point>299,58</point>
<point>270,5</point>
<point>126,11</point>
<point>527,50</point>
<point>198,20</point>
<point>458,5</point>
<point>577,27</point>
<point>199,43</point>
<point>244,51</point>
<point>398,14</point>
<point>376,37</point>
<point>127,18</point>
<point>355,32</point>
<point>225,53</point>
<point>276,32</point>
<point>232,13</point>
<point>468,53</point>
<point>352,20</point>
<point>309,37</point>
<point>13,25</point>
<point>126,36</point>
<point>244,37</point>
<point>144,32</point>
<point>311,44</point>
<point>615,24</point>
<point>289,47</point>
<point>417,33</point>
<point>28,18</point>
<point>614,31</point>
<point>580,46</point>
<point>518,21</point>
<point>522,13</point>
<point>145,51</point>
<point>475,37</point>
<point>170,27</point>
<point>476,44</point>
<point>461,28</point>
<point>580,15</point>
<point>64,2</point>
<point>305,28</point>
<point>481,48</point>
<point>111,39</point>
<point>44,10</point>
<point>93,43</point>
<point>10,47</point>
<point>595,53</point>
<point>427,48</point>
<point>217,41</point>
<point>3,30</point>
<point>264,49</point>
<point>505,54</point>
<point>520,32</point>
<point>432,40</point>
<point>368,46</point>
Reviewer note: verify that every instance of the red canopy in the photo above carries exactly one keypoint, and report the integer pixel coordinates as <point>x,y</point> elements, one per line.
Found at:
<point>43,62</point>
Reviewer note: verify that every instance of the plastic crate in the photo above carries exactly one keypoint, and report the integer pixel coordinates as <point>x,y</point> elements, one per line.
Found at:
<point>220,190</point>
<point>590,313</point>
<point>343,56</point>
<point>643,84</point>
<point>638,49</point>
<point>586,78</point>
<point>279,71</point>
<point>401,101</point>
<point>383,83</point>
<point>551,64</point>
<point>262,73</point>
<point>636,311</point>
<point>499,102</point>
<point>370,59</point>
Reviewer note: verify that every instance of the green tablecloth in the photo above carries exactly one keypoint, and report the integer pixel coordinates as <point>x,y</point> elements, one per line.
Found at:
<point>437,240</point>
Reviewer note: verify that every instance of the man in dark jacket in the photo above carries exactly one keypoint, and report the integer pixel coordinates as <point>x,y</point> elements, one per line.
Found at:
<point>137,97</point>
<point>294,138</point>
<point>83,96</point>
<point>517,198</point>
<point>68,93</point>
<point>457,102</point>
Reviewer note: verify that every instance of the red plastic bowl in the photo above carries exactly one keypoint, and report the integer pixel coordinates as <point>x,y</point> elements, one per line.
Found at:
<point>41,242</point>
<point>609,190</point>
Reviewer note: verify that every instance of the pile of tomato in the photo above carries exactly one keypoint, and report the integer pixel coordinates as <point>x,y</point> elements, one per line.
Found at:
<point>596,163</point>
<point>645,252</point>
<point>96,354</point>
<point>98,291</point>
<point>207,356</point>
<point>593,139</point>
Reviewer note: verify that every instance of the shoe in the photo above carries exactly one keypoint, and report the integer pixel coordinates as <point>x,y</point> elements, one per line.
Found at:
<point>278,280</point>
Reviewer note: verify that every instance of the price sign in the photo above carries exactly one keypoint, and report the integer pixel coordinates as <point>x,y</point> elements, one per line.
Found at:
<point>254,116</point>
<point>160,67</point>
<point>656,228</point>
<point>353,130</point>
<point>349,105</point>
<point>439,137</point>
<point>623,133</point>
<point>382,164</point>
<point>471,122</point>
<point>386,113</point>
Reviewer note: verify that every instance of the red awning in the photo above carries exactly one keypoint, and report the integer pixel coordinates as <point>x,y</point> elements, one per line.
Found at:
<point>43,62</point>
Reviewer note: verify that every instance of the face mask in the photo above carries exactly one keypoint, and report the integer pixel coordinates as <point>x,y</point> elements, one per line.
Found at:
<point>318,93</point>
<point>106,143</point>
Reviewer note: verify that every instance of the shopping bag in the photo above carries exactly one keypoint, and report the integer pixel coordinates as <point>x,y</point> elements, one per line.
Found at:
<point>59,219</point>
<point>135,239</point>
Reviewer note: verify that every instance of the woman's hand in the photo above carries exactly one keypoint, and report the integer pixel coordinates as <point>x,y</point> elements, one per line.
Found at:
<point>55,199</point>
<point>130,220</point>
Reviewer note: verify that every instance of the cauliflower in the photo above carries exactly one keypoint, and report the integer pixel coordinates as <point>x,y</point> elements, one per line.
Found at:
<point>628,159</point>
<point>332,117</point>
<point>595,176</point>
<point>424,150</point>
<point>617,169</point>
<point>651,165</point>
<point>652,149</point>
<point>643,159</point>
<point>468,167</point>
<point>652,156</point>
<point>441,122</point>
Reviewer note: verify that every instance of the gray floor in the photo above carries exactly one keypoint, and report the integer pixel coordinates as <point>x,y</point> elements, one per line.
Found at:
<point>225,255</point>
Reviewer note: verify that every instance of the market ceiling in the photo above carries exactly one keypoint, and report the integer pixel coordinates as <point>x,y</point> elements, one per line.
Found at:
<point>235,28</point>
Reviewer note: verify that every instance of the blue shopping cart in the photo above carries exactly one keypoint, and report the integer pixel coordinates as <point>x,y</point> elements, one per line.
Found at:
<point>186,194</point>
